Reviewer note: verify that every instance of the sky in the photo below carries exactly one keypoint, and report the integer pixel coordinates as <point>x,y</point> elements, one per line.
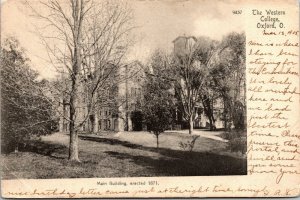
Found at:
<point>159,22</point>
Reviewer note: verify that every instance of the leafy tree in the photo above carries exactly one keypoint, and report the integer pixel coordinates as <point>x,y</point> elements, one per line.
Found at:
<point>26,109</point>
<point>204,70</point>
<point>158,98</point>
<point>228,78</point>
<point>191,68</point>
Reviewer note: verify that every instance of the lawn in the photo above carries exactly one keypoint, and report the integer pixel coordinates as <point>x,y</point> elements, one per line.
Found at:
<point>130,154</point>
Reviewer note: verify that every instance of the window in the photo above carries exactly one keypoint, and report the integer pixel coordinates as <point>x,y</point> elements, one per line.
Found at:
<point>139,93</point>
<point>108,124</point>
<point>133,106</point>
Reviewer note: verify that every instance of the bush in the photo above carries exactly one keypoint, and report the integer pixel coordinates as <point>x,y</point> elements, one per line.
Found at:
<point>229,135</point>
<point>238,145</point>
<point>189,145</point>
<point>237,140</point>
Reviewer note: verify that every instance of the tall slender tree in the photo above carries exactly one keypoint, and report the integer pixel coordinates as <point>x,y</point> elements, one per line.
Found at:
<point>158,106</point>
<point>87,45</point>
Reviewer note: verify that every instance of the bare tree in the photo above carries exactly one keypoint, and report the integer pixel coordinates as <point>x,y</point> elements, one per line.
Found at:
<point>87,45</point>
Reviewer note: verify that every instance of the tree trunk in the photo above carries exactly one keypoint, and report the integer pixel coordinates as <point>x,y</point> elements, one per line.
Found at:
<point>17,147</point>
<point>62,111</point>
<point>212,123</point>
<point>76,67</point>
<point>73,148</point>
<point>96,123</point>
<point>157,142</point>
<point>16,143</point>
<point>191,128</point>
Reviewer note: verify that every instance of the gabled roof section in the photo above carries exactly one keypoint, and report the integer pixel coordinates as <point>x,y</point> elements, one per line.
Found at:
<point>186,37</point>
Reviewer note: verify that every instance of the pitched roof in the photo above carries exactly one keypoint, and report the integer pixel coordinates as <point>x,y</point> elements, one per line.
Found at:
<point>186,37</point>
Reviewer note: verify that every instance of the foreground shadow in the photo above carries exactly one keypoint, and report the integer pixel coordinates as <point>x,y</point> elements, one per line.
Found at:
<point>157,162</point>
<point>112,141</point>
<point>192,164</point>
<point>52,150</point>
<point>176,162</point>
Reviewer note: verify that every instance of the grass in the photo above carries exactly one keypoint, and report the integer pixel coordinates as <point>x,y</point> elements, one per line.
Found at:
<point>131,155</point>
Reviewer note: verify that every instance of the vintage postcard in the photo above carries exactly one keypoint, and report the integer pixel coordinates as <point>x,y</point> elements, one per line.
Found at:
<point>150,98</point>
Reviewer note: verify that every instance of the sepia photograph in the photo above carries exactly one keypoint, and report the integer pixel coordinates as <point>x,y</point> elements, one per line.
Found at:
<point>106,89</point>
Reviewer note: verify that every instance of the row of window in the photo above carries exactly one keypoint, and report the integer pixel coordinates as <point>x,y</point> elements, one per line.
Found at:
<point>136,92</point>
<point>105,113</point>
